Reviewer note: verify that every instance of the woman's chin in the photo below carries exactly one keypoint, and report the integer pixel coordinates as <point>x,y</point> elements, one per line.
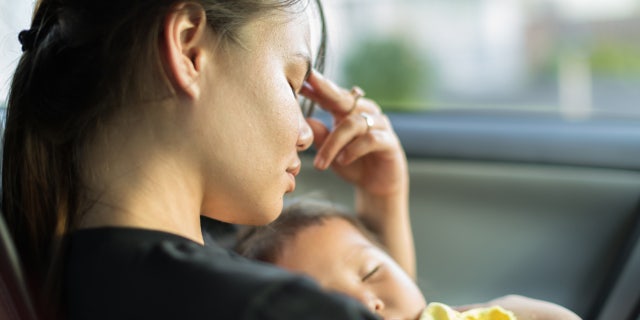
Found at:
<point>266,215</point>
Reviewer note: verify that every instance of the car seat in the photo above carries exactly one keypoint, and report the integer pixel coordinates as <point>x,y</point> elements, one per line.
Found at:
<point>15,301</point>
<point>622,292</point>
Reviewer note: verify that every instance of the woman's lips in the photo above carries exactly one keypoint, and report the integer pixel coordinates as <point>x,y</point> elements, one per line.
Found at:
<point>293,171</point>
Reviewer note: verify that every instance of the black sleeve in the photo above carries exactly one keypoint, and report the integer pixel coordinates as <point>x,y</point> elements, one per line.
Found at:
<point>296,299</point>
<point>217,284</point>
<point>137,274</point>
<point>302,299</point>
<point>218,233</point>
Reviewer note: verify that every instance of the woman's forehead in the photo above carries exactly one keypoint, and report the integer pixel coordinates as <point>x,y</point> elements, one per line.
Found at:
<point>288,32</point>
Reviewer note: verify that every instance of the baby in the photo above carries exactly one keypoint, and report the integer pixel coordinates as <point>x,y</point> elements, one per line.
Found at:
<point>335,248</point>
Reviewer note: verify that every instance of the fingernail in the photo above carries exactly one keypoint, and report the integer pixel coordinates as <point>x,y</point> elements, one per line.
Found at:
<point>319,162</point>
<point>340,158</point>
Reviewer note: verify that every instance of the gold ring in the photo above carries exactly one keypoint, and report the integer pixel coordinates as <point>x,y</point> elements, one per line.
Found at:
<point>368,119</point>
<point>357,93</point>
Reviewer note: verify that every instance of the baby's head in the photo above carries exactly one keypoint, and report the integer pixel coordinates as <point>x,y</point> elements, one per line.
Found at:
<point>333,247</point>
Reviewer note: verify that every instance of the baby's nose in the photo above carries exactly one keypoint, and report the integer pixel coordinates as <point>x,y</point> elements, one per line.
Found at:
<point>375,304</point>
<point>378,305</point>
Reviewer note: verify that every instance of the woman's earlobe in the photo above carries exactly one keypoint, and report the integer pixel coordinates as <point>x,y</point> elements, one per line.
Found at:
<point>193,68</point>
<point>184,47</point>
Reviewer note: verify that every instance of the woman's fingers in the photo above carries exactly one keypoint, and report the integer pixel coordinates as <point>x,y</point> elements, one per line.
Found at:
<point>352,128</point>
<point>375,141</point>
<point>359,125</point>
<point>327,94</point>
<point>335,100</point>
<point>532,309</point>
<point>320,132</point>
<point>379,138</point>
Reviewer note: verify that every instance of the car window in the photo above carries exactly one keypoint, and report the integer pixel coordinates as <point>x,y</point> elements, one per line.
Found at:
<point>14,17</point>
<point>575,57</point>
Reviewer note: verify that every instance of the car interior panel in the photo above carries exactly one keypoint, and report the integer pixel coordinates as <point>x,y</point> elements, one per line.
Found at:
<point>15,302</point>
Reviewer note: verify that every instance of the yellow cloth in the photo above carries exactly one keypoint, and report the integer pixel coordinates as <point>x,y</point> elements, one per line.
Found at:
<point>439,311</point>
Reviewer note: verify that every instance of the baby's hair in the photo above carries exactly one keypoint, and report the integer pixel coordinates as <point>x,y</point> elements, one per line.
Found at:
<point>265,243</point>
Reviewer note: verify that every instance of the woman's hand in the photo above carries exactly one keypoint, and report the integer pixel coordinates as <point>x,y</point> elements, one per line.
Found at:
<point>362,147</point>
<point>527,308</point>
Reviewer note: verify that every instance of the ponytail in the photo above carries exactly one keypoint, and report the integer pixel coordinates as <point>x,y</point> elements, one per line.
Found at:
<point>39,175</point>
<point>81,60</point>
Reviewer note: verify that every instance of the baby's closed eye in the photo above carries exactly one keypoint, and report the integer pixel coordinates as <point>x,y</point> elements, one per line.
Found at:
<point>370,274</point>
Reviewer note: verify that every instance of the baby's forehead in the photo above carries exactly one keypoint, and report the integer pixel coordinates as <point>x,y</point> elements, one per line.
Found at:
<point>355,227</point>
<point>356,255</point>
<point>332,252</point>
<point>348,241</point>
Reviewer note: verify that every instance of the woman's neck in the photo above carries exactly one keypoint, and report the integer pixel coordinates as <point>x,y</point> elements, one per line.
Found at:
<point>137,175</point>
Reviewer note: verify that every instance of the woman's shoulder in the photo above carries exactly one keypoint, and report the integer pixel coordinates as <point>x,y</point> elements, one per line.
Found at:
<point>160,275</point>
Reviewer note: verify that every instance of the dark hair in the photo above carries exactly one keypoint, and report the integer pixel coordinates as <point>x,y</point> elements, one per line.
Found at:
<point>81,60</point>
<point>265,243</point>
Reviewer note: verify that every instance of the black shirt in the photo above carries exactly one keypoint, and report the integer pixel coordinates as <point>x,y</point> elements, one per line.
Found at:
<point>127,273</point>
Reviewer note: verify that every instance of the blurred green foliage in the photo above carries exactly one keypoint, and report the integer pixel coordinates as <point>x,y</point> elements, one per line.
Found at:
<point>611,59</point>
<point>391,71</point>
<point>616,59</point>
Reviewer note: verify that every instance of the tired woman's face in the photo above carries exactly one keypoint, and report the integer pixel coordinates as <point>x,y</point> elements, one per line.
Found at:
<point>251,127</point>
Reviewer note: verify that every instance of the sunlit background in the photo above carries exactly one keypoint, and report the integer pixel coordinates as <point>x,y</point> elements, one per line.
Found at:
<point>576,58</point>
<point>572,56</point>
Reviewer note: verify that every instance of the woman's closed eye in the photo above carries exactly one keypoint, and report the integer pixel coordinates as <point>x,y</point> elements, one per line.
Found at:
<point>296,82</point>
<point>293,90</point>
<point>371,273</point>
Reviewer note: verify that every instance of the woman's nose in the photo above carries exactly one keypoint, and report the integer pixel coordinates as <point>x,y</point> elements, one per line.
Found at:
<point>305,134</point>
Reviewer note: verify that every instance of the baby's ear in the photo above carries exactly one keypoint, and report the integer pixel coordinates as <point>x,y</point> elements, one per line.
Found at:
<point>184,37</point>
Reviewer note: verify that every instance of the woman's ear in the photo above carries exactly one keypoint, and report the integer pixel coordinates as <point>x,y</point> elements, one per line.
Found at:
<point>184,36</point>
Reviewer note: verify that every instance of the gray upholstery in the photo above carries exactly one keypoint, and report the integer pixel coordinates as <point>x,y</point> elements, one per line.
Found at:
<point>623,302</point>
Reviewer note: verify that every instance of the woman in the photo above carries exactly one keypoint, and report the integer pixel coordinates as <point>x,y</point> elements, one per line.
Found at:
<point>128,120</point>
